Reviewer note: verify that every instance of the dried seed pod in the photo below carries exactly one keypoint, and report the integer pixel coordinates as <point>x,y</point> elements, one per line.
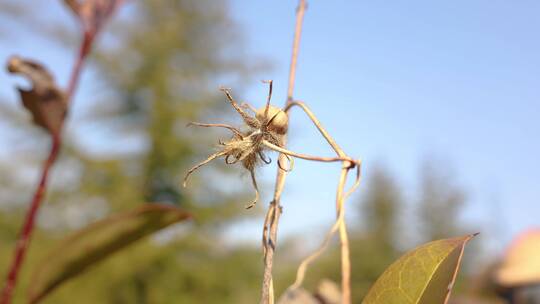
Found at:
<point>276,119</point>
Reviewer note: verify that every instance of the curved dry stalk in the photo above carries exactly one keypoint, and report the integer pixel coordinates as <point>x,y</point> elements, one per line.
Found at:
<point>357,179</point>
<point>317,124</point>
<point>267,106</point>
<point>300,274</point>
<point>344,241</point>
<point>217,125</point>
<point>274,210</point>
<point>254,182</point>
<point>348,163</point>
<point>204,162</point>
<point>250,121</point>
<point>308,157</point>
<point>267,219</point>
<point>291,164</point>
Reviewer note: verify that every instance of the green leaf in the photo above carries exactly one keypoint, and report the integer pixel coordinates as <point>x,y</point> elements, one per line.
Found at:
<point>424,275</point>
<point>96,242</point>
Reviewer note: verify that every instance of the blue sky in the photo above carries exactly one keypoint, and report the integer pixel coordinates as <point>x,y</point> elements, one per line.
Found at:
<point>396,82</point>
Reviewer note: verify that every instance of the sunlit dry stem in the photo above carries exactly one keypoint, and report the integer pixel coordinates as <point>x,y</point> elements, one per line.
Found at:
<point>247,119</point>
<point>344,242</point>
<point>348,163</point>
<point>300,11</point>
<point>254,182</point>
<point>300,274</point>
<point>210,125</point>
<point>317,124</point>
<point>308,157</point>
<point>274,210</point>
<point>197,166</point>
<point>267,219</point>
<point>357,180</point>
<point>291,164</point>
<point>267,106</point>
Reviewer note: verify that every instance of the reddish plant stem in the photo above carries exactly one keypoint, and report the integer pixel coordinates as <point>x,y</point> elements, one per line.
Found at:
<point>25,234</point>
<point>86,46</point>
<point>29,222</point>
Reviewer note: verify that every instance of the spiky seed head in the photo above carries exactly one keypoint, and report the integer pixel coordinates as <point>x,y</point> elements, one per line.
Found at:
<point>279,121</point>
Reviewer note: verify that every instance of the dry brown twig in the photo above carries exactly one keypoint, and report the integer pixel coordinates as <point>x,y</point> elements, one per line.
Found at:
<point>347,165</point>
<point>267,130</point>
<point>271,222</point>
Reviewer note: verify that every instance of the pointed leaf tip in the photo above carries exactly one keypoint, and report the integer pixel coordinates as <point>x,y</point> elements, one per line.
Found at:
<point>424,275</point>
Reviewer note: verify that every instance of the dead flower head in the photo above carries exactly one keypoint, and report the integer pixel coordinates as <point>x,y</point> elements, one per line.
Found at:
<point>269,125</point>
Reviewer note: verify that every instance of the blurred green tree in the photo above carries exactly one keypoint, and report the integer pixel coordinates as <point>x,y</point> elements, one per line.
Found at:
<point>440,203</point>
<point>159,69</point>
<point>380,208</point>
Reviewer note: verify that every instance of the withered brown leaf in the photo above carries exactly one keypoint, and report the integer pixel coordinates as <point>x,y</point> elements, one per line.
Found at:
<point>45,101</point>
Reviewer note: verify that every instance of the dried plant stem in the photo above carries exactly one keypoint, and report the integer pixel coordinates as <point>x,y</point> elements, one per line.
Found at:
<point>254,182</point>
<point>247,119</point>
<point>212,125</point>
<point>291,164</point>
<point>317,123</point>
<point>204,162</point>
<point>340,224</point>
<point>340,208</point>
<point>344,240</point>
<point>301,272</point>
<point>25,234</point>
<point>300,11</point>
<point>274,210</point>
<point>305,156</point>
<point>269,241</point>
